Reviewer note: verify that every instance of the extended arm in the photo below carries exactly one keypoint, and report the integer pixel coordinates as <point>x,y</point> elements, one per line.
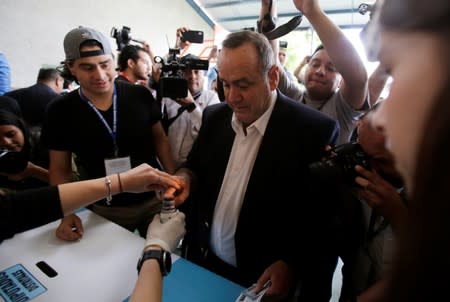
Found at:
<point>161,143</point>
<point>342,53</point>
<point>377,81</point>
<point>159,236</point>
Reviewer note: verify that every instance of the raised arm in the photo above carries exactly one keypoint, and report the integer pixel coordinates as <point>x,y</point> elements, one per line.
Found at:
<point>60,170</point>
<point>286,86</point>
<point>341,52</point>
<point>377,82</point>
<point>162,146</point>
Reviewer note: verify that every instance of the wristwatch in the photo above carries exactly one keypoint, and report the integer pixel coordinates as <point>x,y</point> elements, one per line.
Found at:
<point>163,257</point>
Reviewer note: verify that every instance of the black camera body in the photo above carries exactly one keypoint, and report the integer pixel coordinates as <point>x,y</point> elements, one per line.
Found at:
<point>12,162</point>
<point>123,37</point>
<point>341,167</point>
<point>172,82</point>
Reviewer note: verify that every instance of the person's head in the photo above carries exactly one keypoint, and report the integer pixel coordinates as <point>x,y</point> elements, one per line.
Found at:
<point>194,77</point>
<point>249,74</point>
<point>321,77</point>
<point>14,135</point>
<point>134,60</point>
<point>52,78</point>
<point>421,74</point>
<point>282,55</point>
<point>69,85</point>
<point>9,104</point>
<point>373,144</point>
<point>89,59</point>
<point>414,38</point>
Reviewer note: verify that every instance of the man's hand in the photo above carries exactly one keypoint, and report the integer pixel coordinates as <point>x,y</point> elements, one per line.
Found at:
<point>306,6</point>
<point>178,195</point>
<point>70,229</point>
<point>182,44</point>
<point>281,277</point>
<point>183,102</point>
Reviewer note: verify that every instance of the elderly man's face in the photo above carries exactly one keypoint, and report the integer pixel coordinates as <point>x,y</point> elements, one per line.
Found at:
<point>247,91</point>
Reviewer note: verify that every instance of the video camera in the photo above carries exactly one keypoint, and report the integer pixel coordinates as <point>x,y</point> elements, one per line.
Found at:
<point>172,82</point>
<point>341,167</point>
<point>123,37</point>
<point>12,162</point>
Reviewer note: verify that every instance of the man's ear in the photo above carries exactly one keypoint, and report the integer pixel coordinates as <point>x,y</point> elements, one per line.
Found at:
<point>273,76</point>
<point>131,63</point>
<point>59,82</point>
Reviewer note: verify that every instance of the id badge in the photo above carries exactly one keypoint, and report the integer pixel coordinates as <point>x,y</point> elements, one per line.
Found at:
<point>117,165</point>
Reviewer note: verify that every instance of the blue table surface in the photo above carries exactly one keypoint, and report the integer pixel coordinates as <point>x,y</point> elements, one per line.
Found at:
<point>190,282</point>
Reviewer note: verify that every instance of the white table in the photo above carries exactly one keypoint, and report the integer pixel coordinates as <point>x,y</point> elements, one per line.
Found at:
<point>102,265</point>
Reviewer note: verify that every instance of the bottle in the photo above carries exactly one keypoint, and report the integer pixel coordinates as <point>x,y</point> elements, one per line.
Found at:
<point>168,210</point>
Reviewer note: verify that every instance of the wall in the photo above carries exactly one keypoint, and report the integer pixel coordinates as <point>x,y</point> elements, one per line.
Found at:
<point>32,31</point>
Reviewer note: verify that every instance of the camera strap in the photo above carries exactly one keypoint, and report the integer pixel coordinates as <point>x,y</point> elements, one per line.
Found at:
<point>267,25</point>
<point>166,122</point>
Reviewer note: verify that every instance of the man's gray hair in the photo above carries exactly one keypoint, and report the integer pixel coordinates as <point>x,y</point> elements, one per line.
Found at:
<point>260,42</point>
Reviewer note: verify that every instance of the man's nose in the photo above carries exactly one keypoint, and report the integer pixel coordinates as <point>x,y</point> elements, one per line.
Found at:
<point>233,95</point>
<point>98,72</point>
<point>320,69</point>
<point>377,119</point>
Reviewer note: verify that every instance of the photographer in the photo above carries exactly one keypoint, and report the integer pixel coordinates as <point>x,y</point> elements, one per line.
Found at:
<point>335,78</point>
<point>15,137</point>
<point>134,64</point>
<point>369,205</point>
<point>182,117</point>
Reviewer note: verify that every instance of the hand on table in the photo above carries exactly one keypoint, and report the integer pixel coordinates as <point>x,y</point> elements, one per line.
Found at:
<point>70,228</point>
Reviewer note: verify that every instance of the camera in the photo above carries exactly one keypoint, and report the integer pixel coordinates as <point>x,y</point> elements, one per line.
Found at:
<point>341,167</point>
<point>172,82</point>
<point>12,162</point>
<point>365,8</point>
<point>123,37</point>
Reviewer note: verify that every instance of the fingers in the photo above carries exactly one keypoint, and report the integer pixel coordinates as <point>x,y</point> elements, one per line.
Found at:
<point>70,229</point>
<point>265,277</point>
<point>363,182</point>
<point>167,180</point>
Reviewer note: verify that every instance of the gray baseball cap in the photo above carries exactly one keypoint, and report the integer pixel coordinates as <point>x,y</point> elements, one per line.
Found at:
<point>77,36</point>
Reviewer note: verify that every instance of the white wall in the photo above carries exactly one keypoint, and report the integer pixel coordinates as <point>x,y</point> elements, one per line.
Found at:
<point>32,31</point>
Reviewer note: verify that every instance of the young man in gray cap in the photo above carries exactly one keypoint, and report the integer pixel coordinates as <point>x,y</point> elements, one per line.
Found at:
<point>111,127</point>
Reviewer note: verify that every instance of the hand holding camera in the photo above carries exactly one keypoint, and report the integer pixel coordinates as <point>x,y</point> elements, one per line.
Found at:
<point>340,166</point>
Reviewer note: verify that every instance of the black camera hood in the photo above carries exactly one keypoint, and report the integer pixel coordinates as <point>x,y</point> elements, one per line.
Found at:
<point>12,162</point>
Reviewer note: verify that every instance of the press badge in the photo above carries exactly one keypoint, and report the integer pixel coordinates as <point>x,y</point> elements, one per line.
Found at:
<point>117,165</point>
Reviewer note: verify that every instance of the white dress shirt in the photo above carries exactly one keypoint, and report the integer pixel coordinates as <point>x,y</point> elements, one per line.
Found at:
<point>240,165</point>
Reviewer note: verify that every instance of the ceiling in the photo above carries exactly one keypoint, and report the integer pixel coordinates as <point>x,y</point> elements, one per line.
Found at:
<point>236,15</point>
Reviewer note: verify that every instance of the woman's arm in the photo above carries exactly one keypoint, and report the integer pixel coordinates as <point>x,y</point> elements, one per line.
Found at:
<point>160,236</point>
<point>143,178</point>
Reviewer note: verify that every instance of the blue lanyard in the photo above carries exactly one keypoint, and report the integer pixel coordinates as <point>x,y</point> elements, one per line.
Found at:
<point>113,131</point>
